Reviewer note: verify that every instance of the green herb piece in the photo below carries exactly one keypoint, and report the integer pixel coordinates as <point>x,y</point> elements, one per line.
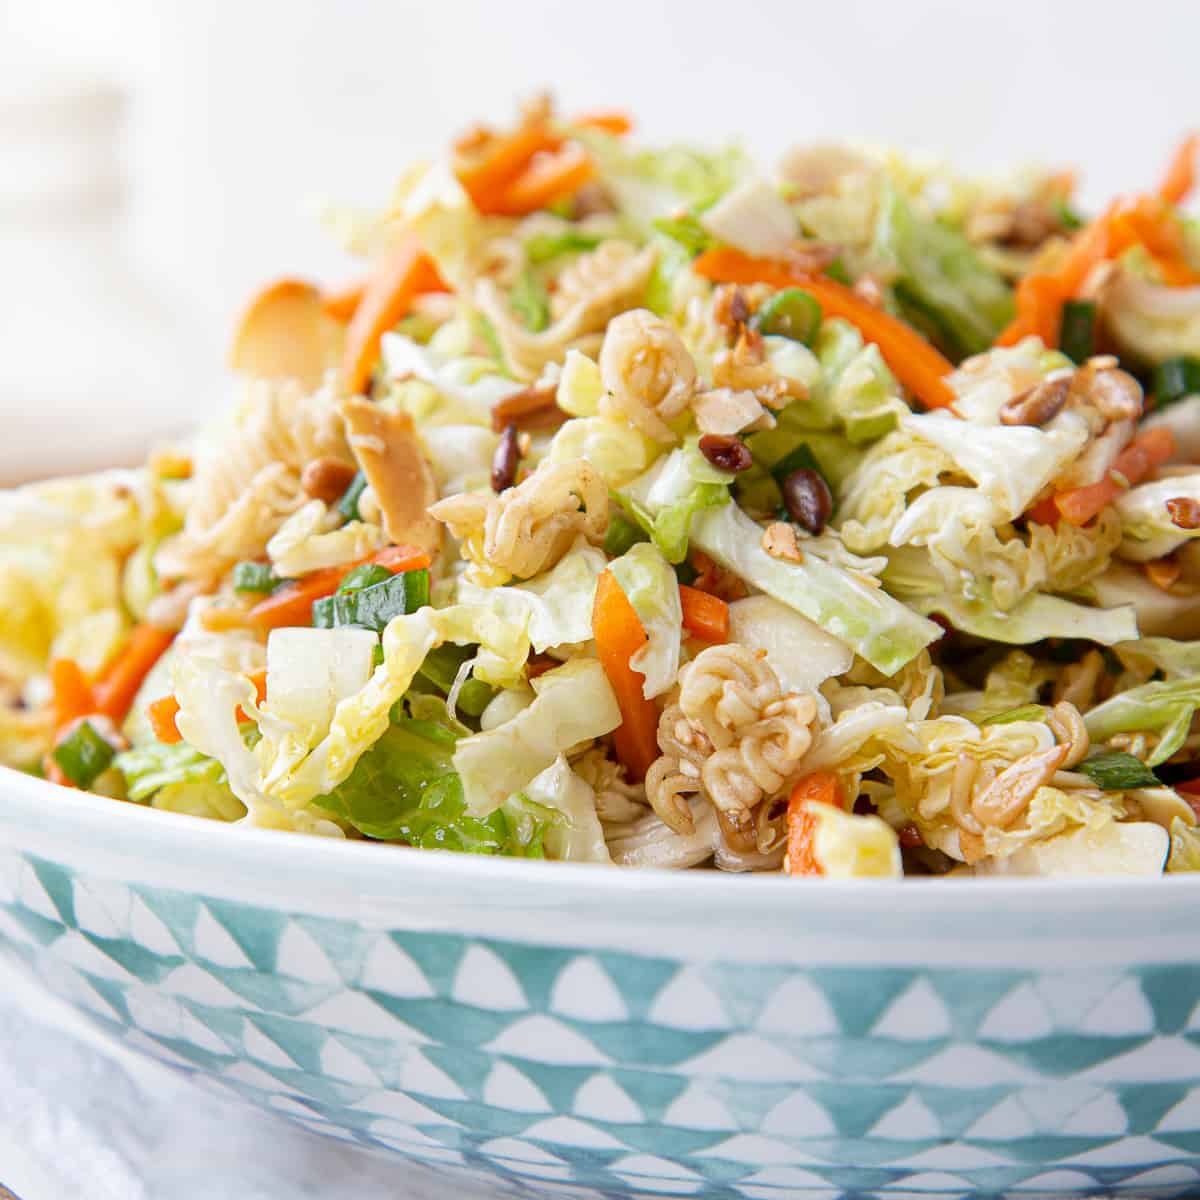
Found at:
<point>838,273</point>
<point>348,504</point>
<point>686,230</point>
<point>1116,771</point>
<point>1068,218</point>
<point>1077,334</point>
<point>363,576</point>
<point>545,246</point>
<point>1175,379</point>
<point>255,577</point>
<point>622,534</point>
<point>531,301</point>
<point>83,755</point>
<point>792,313</point>
<point>373,607</point>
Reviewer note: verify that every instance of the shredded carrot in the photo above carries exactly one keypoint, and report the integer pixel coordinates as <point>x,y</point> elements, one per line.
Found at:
<point>704,616</point>
<point>73,695</point>
<point>116,690</point>
<point>487,173</point>
<point>292,604</point>
<point>259,679</point>
<point>406,273</point>
<point>399,558</point>
<point>1163,572</point>
<point>1044,512</point>
<point>549,178</point>
<point>610,120</point>
<point>1142,220</point>
<point>161,715</point>
<point>820,787</point>
<point>1180,178</point>
<point>342,303</point>
<point>619,635</point>
<point>913,361</point>
<point>1132,465</point>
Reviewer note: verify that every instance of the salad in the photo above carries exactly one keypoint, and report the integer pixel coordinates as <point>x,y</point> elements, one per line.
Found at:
<point>640,506</point>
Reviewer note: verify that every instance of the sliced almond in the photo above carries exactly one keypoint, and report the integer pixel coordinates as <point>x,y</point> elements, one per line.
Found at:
<point>390,454</point>
<point>285,333</point>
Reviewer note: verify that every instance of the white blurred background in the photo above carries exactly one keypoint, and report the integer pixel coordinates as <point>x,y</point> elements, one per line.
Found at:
<point>233,120</point>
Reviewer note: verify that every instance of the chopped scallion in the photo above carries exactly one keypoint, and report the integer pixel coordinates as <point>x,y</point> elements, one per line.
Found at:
<point>255,577</point>
<point>83,755</point>
<point>1077,334</point>
<point>348,504</point>
<point>374,606</point>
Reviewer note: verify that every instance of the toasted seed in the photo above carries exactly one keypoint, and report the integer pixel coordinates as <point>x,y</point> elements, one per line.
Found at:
<point>807,499</point>
<point>506,460</point>
<point>726,452</point>
<point>1185,512</point>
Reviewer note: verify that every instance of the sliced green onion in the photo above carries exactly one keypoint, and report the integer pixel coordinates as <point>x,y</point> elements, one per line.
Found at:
<point>373,607</point>
<point>530,301</point>
<point>792,313</point>
<point>1027,712</point>
<point>545,246</point>
<point>255,577</point>
<point>622,535</point>
<point>348,504</point>
<point>1174,379</point>
<point>363,576</point>
<point>83,755</point>
<point>686,573</point>
<point>686,230</point>
<point>838,273</point>
<point>1068,218</point>
<point>1078,330</point>
<point>1115,771</point>
<point>799,459</point>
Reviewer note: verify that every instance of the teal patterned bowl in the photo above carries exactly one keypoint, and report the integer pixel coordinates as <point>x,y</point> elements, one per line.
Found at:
<point>566,1030</point>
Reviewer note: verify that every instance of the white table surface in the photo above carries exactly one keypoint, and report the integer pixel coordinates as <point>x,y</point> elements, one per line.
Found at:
<point>79,1117</point>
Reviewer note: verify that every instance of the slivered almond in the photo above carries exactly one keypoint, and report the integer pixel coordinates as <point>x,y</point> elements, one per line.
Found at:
<point>284,333</point>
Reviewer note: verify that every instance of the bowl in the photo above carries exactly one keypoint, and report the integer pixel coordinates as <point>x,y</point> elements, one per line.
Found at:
<point>575,1030</point>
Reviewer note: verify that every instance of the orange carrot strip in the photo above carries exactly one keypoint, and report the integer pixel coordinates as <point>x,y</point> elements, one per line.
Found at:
<point>821,787</point>
<point>704,616</point>
<point>388,296</point>
<point>342,303</point>
<point>487,173</point>
<point>1180,178</point>
<point>610,120</point>
<point>549,178</point>
<point>911,358</point>
<point>292,605</point>
<point>1044,512</point>
<point>1163,572</point>
<point>1132,465</point>
<point>259,679</point>
<point>619,635</point>
<point>162,714</point>
<point>400,558</point>
<point>73,695</point>
<point>115,692</point>
<point>1138,220</point>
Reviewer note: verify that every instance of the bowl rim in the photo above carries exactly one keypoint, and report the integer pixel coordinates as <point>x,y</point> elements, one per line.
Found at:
<point>79,820</point>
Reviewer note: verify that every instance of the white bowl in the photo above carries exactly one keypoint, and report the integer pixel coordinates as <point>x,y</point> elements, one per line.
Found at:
<point>582,1030</point>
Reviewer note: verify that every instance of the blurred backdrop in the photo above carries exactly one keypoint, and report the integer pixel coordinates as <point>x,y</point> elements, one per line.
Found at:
<point>158,160</point>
